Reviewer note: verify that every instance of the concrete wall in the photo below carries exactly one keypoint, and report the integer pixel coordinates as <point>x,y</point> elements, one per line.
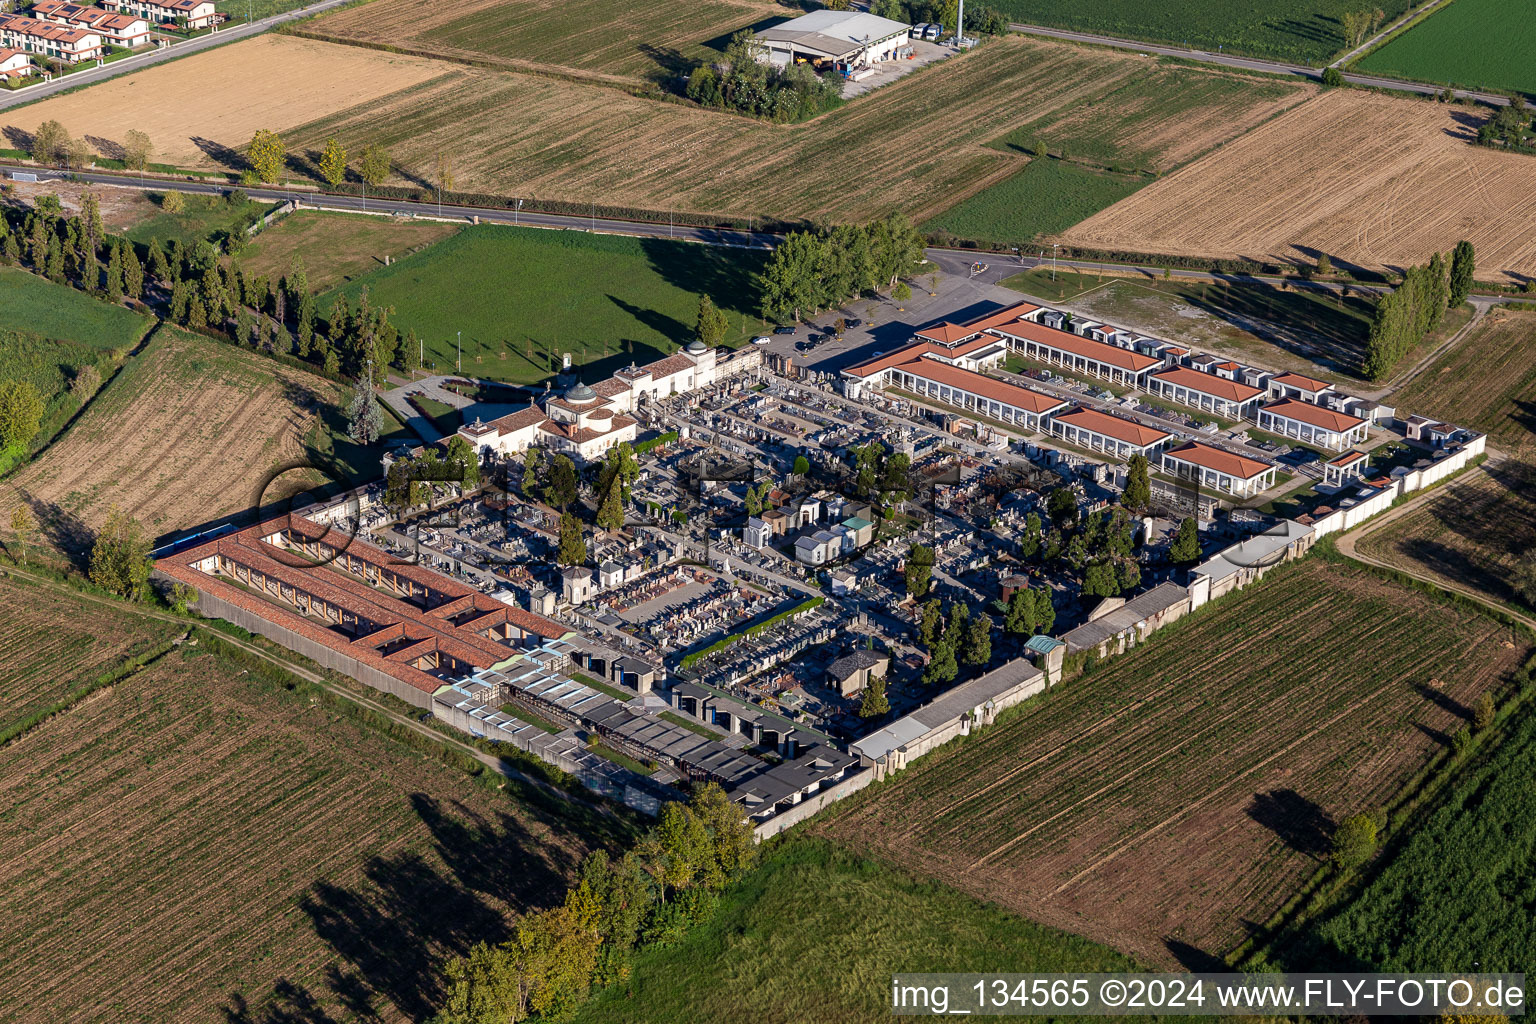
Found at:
<point>1408,483</point>
<point>330,658</point>
<point>814,803</point>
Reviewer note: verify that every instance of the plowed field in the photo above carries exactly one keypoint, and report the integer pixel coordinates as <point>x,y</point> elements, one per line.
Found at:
<point>1373,181</point>
<point>1184,790</point>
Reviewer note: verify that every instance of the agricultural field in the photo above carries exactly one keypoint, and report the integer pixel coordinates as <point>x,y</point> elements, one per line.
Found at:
<point>1139,125</point>
<point>337,247</point>
<point>1308,31</point>
<point>55,645</point>
<point>918,145</point>
<point>1309,332</point>
<point>1469,534</point>
<point>1457,890</point>
<point>1475,44</point>
<point>1045,198</point>
<point>858,920</point>
<point>253,854</point>
<point>643,41</point>
<point>524,296</point>
<point>1205,771</point>
<point>218,107</point>
<point>1370,162</point>
<point>184,434</point>
<point>1487,382</point>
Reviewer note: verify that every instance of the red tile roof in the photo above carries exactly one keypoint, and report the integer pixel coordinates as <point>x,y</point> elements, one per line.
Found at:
<point>1113,426</point>
<point>1197,454</point>
<point>1296,380</point>
<point>1347,458</point>
<point>1316,415</point>
<point>980,384</point>
<point>1111,355</point>
<point>1208,383</point>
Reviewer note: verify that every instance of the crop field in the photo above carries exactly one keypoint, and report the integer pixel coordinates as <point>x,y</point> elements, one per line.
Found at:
<point>1309,332</point>
<point>218,105</point>
<point>1204,771</point>
<point>337,247</point>
<point>184,434</point>
<point>197,843</point>
<point>1372,163</point>
<point>1457,890</point>
<point>1476,44</point>
<point>1308,31</point>
<point>52,644</point>
<point>918,145</point>
<point>858,920</point>
<point>1487,382</point>
<point>1471,533</point>
<point>524,296</point>
<point>1046,197</point>
<point>647,41</point>
<point>1139,124</point>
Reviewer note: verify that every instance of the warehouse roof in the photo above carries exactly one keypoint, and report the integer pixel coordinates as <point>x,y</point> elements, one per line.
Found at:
<point>833,33</point>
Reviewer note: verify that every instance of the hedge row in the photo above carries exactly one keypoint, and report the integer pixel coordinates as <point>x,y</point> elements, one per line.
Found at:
<point>689,660</point>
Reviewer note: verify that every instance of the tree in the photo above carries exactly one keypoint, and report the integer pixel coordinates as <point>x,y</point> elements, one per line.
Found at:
<point>1324,265</point>
<point>120,559</point>
<point>711,324</point>
<point>375,165</point>
<point>610,513</point>
<point>137,149</point>
<point>561,489</point>
<point>1061,506</point>
<point>333,163</point>
<point>21,413</point>
<point>573,546</point>
<point>443,166</point>
<point>1333,78</point>
<point>978,641</point>
<point>919,570</point>
<point>462,457</point>
<point>1045,610</point>
<point>1033,535</point>
<point>267,155</point>
<point>1463,265</point>
<point>114,287</point>
<point>1099,580</point>
<point>1354,841</point>
<point>791,281</point>
<point>133,273</point>
<point>1482,712</point>
<point>930,623</point>
<point>1185,550</point>
<point>86,381</point>
<point>1019,620</point>
<point>867,468</point>
<point>173,202</point>
<point>22,525</point>
<point>50,143</point>
<point>875,703</point>
<point>533,470</point>
<point>181,597</point>
<point>802,466</point>
<point>943,667</point>
<point>1138,492</point>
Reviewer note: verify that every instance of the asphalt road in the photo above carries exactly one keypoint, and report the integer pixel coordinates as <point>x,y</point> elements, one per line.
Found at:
<point>229,34</point>
<point>1273,67</point>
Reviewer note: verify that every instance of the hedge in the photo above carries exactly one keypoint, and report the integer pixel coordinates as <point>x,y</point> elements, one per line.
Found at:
<point>689,660</point>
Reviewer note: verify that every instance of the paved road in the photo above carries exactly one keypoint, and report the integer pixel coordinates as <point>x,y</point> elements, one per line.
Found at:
<point>1273,67</point>
<point>231,33</point>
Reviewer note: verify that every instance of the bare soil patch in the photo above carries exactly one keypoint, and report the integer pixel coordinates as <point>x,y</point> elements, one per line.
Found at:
<point>1203,772</point>
<point>1373,181</point>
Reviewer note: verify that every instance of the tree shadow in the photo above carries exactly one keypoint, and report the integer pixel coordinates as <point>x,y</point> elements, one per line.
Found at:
<point>1193,958</point>
<point>723,40</point>
<point>1444,701</point>
<point>1315,330</point>
<point>222,154</point>
<point>19,138</point>
<point>291,1004</point>
<point>1318,29</point>
<point>728,276</point>
<point>670,64</point>
<point>1299,823</point>
<point>107,148</point>
<point>669,327</point>
<point>63,530</point>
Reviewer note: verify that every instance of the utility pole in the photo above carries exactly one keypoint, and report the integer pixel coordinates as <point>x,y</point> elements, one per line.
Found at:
<point>460,336</point>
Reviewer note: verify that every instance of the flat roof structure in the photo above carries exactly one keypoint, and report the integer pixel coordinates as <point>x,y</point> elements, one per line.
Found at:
<point>947,708</point>
<point>1135,611</point>
<point>982,386</point>
<point>1259,551</point>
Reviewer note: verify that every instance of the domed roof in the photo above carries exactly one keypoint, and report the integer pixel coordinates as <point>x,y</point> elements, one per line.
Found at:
<point>696,348</point>
<point>581,393</point>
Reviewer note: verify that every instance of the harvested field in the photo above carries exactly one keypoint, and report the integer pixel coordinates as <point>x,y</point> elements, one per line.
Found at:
<point>336,247</point>
<point>1384,182</point>
<point>1487,382</point>
<point>51,644</point>
<point>184,434</point>
<point>220,100</point>
<point>918,145</point>
<point>198,843</point>
<point>1204,771</point>
<point>1471,533</point>
<point>647,41</point>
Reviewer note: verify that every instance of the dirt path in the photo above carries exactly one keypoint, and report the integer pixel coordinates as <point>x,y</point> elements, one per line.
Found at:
<point>1479,310</point>
<point>1347,545</point>
<point>490,761</point>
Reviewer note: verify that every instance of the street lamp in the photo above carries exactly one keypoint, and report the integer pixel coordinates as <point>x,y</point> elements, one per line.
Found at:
<point>460,336</point>
<point>515,212</point>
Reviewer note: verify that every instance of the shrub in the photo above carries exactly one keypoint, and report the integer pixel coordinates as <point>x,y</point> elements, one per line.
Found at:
<point>1355,841</point>
<point>173,202</point>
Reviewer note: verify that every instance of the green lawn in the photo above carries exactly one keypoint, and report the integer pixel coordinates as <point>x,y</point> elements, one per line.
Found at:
<point>532,719</point>
<point>1476,44</point>
<point>34,305</point>
<point>601,687</point>
<point>205,217</point>
<point>691,726</point>
<point>815,933</point>
<point>1046,197</point>
<point>336,247</point>
<point>522,296</point>
<point>1060,284</point>
<point>1309,31</point>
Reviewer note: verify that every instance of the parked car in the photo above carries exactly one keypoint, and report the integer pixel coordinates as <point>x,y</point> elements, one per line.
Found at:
<point>761,339</point>
<point>785,330</point>
<point>853,322</point>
